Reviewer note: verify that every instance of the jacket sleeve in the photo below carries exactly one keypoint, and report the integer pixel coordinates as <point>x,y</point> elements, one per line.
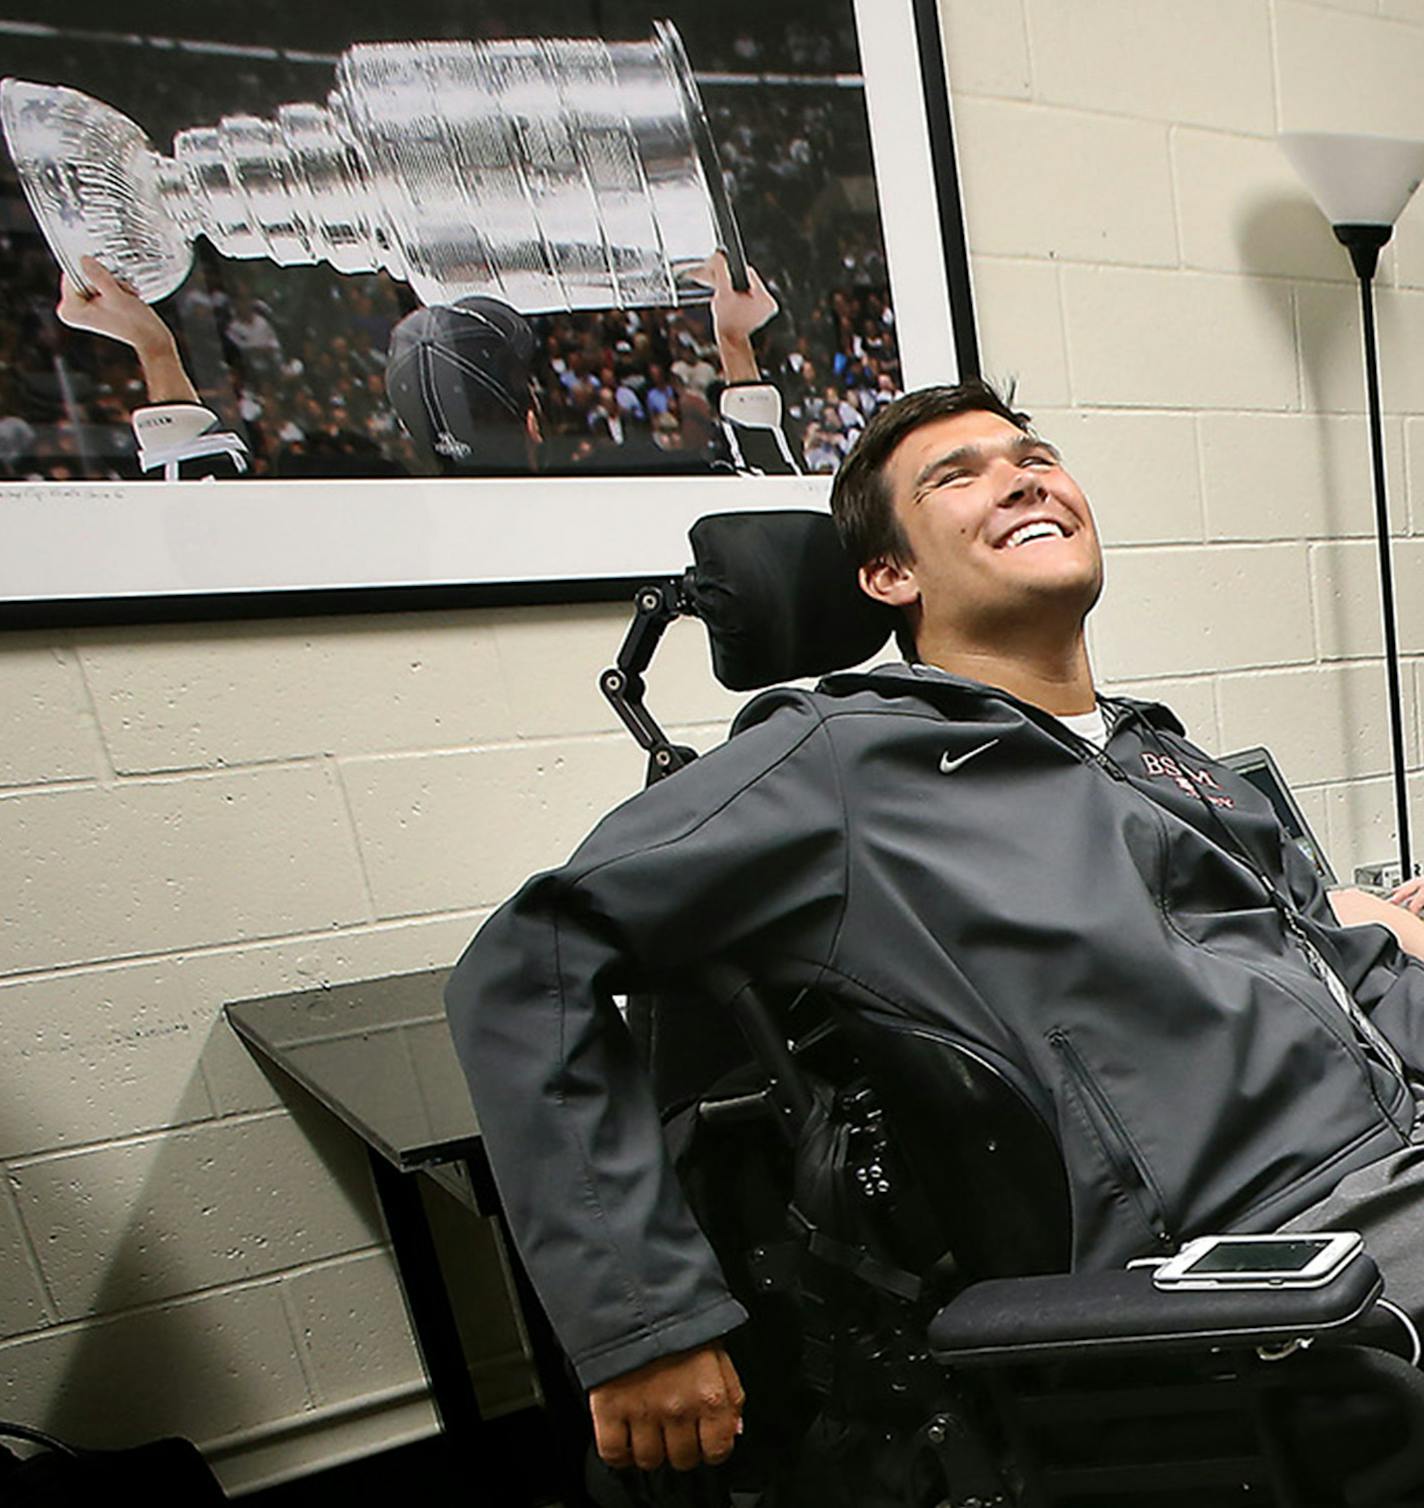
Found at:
<point>739,855</point>
<point>1383,978</point>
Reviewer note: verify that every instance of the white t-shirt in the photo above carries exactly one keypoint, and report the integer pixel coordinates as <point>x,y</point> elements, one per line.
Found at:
<point>1090,725</point>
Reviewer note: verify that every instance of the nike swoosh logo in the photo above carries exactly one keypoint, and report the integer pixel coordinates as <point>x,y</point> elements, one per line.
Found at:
<point>948,766</point>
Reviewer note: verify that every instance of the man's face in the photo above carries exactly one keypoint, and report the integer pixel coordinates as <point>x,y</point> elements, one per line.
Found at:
<point>997,528</point>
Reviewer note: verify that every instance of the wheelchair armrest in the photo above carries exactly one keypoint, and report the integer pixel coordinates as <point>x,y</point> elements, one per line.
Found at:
<point>1005,1321</point>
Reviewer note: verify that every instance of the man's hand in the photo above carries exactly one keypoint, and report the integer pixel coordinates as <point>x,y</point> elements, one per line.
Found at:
<point>111,307</point>
<point>683,1409</point>
<point>1355,908</point>
<point>736,316</point>
<point>1410,895</point>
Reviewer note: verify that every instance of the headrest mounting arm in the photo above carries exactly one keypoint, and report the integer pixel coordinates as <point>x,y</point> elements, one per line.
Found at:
<point>656,604</point>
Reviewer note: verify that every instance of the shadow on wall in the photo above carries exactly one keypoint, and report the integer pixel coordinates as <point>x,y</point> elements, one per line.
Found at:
<point>192,1337</point>
<point>1285,235</point>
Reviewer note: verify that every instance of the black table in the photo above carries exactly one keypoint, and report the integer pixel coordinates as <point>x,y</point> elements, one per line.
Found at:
<point>378,1056</point>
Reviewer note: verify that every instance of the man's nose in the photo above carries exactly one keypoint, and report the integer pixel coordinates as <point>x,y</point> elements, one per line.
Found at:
<point>1019,483</point>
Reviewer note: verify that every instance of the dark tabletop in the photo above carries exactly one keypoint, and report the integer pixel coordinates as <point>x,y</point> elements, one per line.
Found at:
<point>377,1054</point>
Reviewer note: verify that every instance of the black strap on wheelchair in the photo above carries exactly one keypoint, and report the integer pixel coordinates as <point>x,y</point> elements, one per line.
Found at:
<point>858,1262</point>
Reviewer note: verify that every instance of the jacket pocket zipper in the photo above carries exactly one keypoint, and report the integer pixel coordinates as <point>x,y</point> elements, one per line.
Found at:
<point>1121,1151</point>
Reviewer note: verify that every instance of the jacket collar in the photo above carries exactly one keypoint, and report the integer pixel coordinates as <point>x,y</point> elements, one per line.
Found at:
<point>898,678</point>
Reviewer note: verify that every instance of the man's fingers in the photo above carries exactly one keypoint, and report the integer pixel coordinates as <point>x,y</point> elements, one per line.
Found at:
<point>682,1441</point>
<point>712,273</point>
<point>717,1433</point>
<point>610,1436</point>
<point>648,1450</point>
<point>1410,895</point>
<point>99,278</point>
<point>735,1392</point>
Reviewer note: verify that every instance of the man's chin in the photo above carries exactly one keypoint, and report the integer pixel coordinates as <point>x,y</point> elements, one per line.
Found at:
<point>1067,597</point>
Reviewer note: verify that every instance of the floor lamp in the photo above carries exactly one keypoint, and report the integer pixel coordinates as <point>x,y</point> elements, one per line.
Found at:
<point>1361,184</point>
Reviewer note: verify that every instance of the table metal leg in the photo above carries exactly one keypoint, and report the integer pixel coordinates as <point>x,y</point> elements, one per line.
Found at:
<point>564,1401</point>
<point>436,1334</point>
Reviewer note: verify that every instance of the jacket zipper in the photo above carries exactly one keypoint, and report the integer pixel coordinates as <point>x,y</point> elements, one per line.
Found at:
<point>1127,1164</point>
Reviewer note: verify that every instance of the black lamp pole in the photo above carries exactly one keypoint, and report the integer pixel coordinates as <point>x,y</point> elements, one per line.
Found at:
<point>1363,242</point>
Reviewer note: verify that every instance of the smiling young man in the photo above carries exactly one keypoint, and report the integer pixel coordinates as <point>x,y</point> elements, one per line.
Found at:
<point>967,521</point>
<point>974,842</point>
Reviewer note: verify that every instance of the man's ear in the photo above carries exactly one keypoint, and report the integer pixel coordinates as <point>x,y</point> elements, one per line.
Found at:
<point>890,582</point>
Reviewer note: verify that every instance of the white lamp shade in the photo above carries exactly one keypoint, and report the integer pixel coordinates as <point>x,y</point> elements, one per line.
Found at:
<point>1356,180</point>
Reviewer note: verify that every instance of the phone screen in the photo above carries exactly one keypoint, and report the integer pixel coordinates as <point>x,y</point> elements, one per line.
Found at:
<point>1289,1254</point>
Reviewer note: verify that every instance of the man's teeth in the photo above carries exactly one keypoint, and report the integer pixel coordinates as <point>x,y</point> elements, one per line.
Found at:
<point>1042,529</point>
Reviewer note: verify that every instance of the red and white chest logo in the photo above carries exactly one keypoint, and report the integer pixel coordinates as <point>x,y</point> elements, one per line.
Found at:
<point>1200,783</point>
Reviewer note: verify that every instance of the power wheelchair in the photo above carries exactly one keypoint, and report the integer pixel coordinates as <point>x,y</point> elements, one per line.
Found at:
<point>896,1218</point>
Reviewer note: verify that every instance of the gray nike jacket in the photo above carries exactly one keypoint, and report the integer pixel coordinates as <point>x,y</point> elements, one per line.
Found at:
<point>1128,936</point>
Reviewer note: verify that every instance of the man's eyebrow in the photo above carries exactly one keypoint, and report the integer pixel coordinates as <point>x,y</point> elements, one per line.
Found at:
<point>950,459</point>
<point>1020,445</point>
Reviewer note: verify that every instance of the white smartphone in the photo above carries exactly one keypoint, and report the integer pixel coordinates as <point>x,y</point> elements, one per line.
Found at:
<point>1290,1261</point>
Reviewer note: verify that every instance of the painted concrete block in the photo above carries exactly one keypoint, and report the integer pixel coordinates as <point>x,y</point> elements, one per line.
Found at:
<point>1015,158</point>
<point>1375,94</point>
<point>147,866</point>
<point>1294,476</point>
<point>550,659</point>
<point>1345,588</point>
<point>196,1208</point>
<point>22,1303</point>
<point>1021,329</point>
<point>201,1369</point>
<point>1332,362</point>
<point>185,699</point>
<point>112,1051</point>
<point>1244,209</point>
<point>353,1328</point>
<point>1208,63</point>
<point>986,47</point>
<point>1178,340</point>
<point>454,831</point>
<point>1174,612</point>
<point>49,730</point>
<point>98,1054</point>
<point>1411,490</point>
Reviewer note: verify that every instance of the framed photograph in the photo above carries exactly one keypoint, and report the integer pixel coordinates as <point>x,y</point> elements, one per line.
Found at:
<point>416,305</point>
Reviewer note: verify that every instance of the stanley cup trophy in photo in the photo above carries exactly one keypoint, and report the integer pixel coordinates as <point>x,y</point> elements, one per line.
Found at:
<point>555,174</point>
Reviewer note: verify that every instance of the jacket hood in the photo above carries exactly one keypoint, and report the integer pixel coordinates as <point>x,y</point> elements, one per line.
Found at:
<point>899,678</point>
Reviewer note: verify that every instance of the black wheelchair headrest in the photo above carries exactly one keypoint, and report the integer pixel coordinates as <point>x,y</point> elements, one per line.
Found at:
<point>780,598</point>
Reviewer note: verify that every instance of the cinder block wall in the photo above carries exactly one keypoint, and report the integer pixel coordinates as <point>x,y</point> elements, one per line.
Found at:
<point>194,814</point>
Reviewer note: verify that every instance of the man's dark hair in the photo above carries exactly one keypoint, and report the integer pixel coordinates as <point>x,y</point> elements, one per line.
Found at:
<point>861,503</point>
